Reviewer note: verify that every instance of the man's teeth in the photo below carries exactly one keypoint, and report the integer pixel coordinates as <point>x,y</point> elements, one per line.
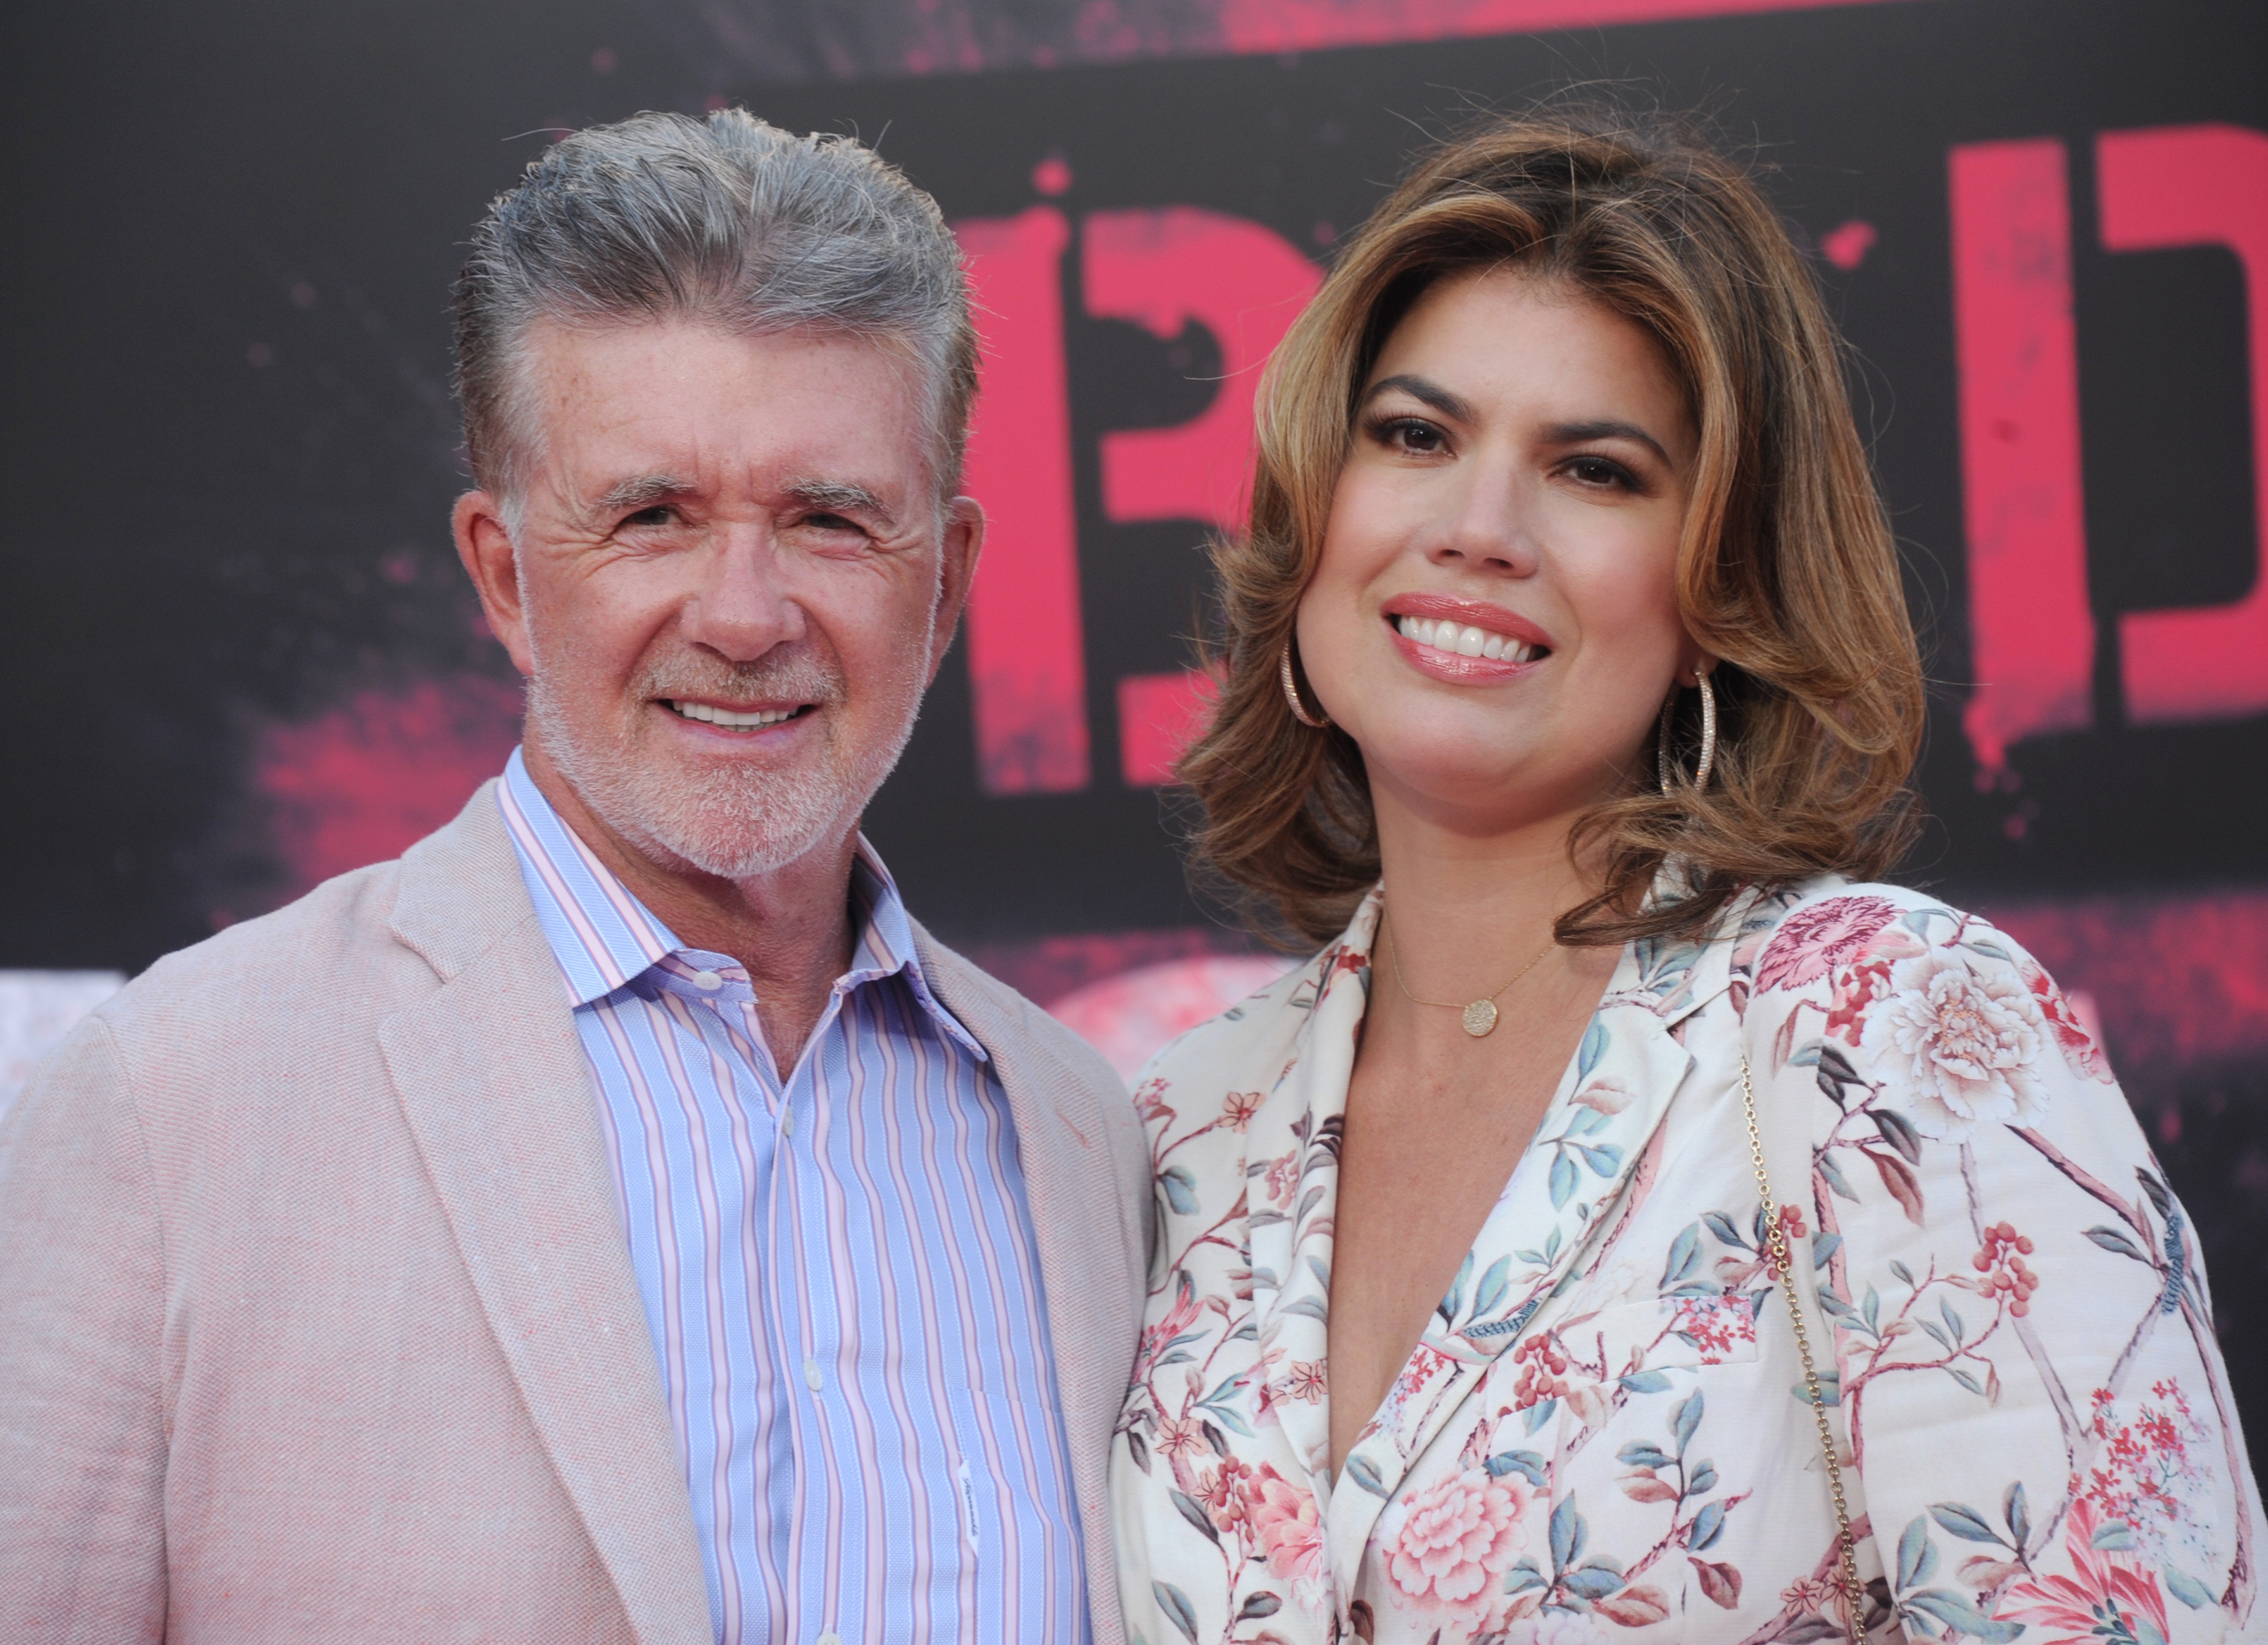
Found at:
<point>734,721</point>
<point>1462,640</point>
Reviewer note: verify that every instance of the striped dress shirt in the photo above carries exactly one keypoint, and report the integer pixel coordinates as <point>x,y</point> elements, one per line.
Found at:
<point>839,1266</point>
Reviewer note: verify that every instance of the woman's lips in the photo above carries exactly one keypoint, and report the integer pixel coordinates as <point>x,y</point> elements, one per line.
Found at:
<point>1465,641</point>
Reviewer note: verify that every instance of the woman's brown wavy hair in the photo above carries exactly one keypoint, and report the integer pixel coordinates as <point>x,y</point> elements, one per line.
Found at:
<point>1786,572</point>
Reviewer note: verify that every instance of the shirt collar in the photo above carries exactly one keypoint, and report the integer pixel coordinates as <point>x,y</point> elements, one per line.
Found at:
<point>604,937</point>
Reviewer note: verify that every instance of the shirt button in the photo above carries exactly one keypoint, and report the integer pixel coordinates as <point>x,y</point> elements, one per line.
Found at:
<point>708,982</point>
<point>787,1122</point>
<point>830,1639</point>
<point>812,1379</point>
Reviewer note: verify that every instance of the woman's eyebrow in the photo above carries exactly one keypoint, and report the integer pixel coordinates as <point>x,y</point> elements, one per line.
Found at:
<point>1578,433</point>
<point>1426,390</point>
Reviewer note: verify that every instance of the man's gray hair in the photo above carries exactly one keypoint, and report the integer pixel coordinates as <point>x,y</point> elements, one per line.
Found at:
<point>727,221</point>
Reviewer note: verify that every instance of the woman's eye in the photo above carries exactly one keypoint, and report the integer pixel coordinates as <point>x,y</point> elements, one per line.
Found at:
<point>1598,471</point>
<point>1411,434</point>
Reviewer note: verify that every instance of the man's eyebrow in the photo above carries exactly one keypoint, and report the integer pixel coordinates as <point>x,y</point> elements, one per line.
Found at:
<point>642,490</point>
<point>1605,428</point>
<point>840,496</point>
<point>1424,390</point>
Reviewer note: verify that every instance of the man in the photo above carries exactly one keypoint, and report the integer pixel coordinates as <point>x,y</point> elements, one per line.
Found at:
<point>617,1220</point>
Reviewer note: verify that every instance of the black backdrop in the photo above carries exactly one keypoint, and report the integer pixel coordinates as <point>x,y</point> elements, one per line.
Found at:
<point>239,655</point>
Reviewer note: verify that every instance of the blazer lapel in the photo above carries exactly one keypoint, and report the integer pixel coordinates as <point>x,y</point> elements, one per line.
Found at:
<point>498,1095</point>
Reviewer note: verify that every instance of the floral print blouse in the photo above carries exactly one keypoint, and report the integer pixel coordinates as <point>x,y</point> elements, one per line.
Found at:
<point>1603,1433</point>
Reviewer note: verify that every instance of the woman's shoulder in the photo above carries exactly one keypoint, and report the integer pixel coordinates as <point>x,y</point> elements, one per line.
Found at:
<point>1821,916</point>
<point>1910,993</point>
<point>1815,935</point>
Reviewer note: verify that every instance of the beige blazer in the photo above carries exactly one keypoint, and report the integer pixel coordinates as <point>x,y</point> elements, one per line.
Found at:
<point>317,1320</point>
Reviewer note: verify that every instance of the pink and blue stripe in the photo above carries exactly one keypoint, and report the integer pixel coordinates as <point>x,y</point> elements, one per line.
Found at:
<point>838,1268</point>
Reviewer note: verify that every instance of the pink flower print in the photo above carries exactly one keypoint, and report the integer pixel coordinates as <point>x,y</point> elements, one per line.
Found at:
<point>2079,1046</point>
<point>1283,1176</point>
<point>1858,988</point>
<point>2001,1270</point>
<point>1286,1525</point>
<point>1457,1535</point>
<point>1962,1050</point>
<point>1825,937</point>
<point>1817,1596</point>
<point>1181,1436</point>
<point>1341,961</point>
<point>1157,1338</point>
<point>2106,1591</point>
<point>1150,1102</point>
<point>1791,1230</point>
<point>1221,1491</point>
<point>1542,1364</point>
<point>2147,1475</point>
<point>1238,1108</point>
<point>1304,1381</point>
<point>1714,1324</point>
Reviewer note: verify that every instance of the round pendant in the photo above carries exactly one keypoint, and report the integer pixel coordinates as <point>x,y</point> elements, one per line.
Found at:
<point>1480,1017</point>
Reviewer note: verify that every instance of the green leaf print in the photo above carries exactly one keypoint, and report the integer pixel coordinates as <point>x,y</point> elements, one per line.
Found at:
<point>1178,1609</point>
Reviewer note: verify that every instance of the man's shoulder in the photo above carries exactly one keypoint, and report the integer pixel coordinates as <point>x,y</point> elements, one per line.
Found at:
<point>351,945</point>
<point>299,948</point>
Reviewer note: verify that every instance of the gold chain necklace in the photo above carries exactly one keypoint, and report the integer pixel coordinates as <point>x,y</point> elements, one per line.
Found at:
<point>1479,1015</point>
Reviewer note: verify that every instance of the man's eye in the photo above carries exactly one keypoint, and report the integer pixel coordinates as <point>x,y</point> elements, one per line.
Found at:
<point>831,522</point>
<point>659,514</point>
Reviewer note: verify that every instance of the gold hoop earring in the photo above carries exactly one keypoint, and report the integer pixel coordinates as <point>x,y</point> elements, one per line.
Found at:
<point>1708,735</point>
<point>1292,691</point>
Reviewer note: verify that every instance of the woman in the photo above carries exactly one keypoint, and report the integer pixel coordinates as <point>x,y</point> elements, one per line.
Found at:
<point>1570,698</point>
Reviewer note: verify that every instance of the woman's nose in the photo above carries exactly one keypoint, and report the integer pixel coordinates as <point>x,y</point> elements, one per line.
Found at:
<point>1486,524</point>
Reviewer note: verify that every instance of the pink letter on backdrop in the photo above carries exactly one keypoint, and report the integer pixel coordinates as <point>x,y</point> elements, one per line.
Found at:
<point>1310,25</point>
<point>2032,634</point>
<point>2199,186</point>
<point>1242,282</point>
<point>1026,644</point>
<point>1159,716</point>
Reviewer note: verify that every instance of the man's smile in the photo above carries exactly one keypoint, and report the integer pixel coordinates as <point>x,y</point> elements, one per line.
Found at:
<point>733,718</point>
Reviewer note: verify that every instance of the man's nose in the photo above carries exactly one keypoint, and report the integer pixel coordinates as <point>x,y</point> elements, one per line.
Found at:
<point>741,607</point>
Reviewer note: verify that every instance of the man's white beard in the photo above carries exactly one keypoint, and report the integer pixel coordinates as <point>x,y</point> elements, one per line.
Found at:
<point>721,816</point>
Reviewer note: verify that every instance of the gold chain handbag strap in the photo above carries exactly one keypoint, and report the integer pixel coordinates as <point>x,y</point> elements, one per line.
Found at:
<point>1854,1593</point>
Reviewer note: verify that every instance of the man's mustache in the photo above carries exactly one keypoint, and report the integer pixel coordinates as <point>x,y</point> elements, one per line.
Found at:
<point>795,674</point>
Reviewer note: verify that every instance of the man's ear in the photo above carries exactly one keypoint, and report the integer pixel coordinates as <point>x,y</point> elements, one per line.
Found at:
<point>963,543</point>
<point>484,544</point>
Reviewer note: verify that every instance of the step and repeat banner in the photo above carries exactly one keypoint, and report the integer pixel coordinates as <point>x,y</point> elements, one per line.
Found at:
<point>243,658</point>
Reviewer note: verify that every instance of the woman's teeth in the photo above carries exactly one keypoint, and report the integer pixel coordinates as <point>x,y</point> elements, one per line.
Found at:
<point>730,720</point>
<point>1462,639</point>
